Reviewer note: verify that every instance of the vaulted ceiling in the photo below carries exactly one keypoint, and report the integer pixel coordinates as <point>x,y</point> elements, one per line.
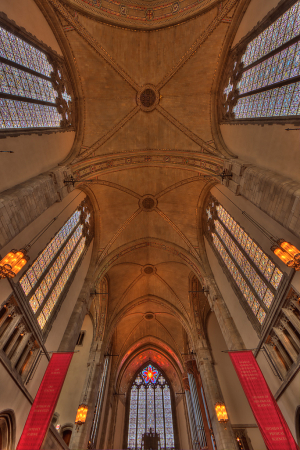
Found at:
<point>152,164</point>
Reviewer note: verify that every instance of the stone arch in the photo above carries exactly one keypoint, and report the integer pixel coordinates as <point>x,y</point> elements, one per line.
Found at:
<point>7,430</point>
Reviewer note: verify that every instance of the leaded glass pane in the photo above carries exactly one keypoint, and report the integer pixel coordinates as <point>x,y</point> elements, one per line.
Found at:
<point>17,82</point>
<point>168,417</point>
<point>281,31</point>
<point>132,417</point>
<point>240,281</point>
<point>280,67</point>
<point>159,416</point>
<point>276,278</point>
<point>281,101</point>
<point>16,114</point>
<point>44,259</point>
<point>256,281</point>
<point>15,49</point>
<point>262,261</point>
<point>141,415</point>
<point>150,408</point>
<point>150,374</point>
<point>48,307</point>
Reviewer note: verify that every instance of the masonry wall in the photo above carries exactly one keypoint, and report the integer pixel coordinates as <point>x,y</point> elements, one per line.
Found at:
<point>289,400</point>
<point>238,408</point>
<point>16,397</point>
<point>70,395</point>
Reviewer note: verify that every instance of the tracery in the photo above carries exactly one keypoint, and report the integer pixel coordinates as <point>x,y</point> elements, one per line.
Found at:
<point>150,407</point>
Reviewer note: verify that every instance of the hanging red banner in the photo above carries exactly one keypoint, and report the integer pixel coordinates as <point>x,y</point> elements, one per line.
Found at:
<point>273,427</point>
<point>44,403</point>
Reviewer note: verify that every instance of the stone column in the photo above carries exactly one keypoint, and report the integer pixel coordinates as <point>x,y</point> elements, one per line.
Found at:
<point>228,328</point>
<point>286,343</point>
<point>281,350</point>
<point>9,310</point>
<point>225,438</point>
<point>284,323</point>
<point>72,331</point>
<point>10,329</point>
<point>80,437</point>
<point>23,358</point>
<point>278,363</point>
<point>19,350</point>
<point>20,330</point>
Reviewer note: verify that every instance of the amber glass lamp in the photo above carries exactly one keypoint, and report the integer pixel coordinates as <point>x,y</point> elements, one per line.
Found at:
<point>12,263</point>
<point>81,414</point>
<point>221,412</point>
<point>288,253</point>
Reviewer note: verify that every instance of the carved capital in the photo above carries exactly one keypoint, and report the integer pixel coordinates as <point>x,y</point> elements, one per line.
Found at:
<point>186,384</point>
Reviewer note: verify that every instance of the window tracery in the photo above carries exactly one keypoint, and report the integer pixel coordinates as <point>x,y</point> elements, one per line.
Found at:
<point>254,273</point>
<point>262,79</point>
<point>44,282</point>
<point>33,88</point>
<point>150,407</point>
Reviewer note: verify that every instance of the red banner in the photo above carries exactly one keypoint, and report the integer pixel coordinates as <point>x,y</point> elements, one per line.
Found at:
<point>268,416</point>
<point>44,403</point>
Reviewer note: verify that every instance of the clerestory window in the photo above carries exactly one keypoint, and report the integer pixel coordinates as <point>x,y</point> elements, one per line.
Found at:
<point>254,274</point>
<point>45,281</point>
<point>33,86</point>
<point>262,79</point>
<point>150,407</point>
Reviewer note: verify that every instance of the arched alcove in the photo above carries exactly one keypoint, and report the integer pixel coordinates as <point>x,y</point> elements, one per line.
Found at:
<point>7,430</point>
<point>150,405</point>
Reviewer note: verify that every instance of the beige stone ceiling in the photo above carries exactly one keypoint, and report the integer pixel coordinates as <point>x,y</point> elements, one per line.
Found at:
<point>167,153</point>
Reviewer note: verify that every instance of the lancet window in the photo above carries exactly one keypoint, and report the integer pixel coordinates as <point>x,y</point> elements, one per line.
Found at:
<point>150,407</point>
<point>45,281</point>
<point>255,275</point>
<point>262,79</point>
<point>33,86</point>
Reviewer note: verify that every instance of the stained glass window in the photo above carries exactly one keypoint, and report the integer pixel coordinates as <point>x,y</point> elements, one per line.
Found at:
<point>45,280</point>
<point>255,275</point>
<point>150,407</point>
<point>267,82</point>
<point>29,96</point>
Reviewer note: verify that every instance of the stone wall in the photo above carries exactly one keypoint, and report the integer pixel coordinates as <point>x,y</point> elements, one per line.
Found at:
<point>22,204</point>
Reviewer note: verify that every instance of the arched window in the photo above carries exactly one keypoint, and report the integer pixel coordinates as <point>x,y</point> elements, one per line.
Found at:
<point>262,79</point>
<point>33,91</point>
<point>44,282</point>
<point>150,407</point>
<point>255,275</point>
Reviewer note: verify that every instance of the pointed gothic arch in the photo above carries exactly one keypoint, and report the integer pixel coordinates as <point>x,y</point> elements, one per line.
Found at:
<point>150,404</point>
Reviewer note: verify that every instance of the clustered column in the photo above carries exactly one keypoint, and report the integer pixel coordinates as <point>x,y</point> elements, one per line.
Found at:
<point>225,439</point>
<point>16,342</point>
